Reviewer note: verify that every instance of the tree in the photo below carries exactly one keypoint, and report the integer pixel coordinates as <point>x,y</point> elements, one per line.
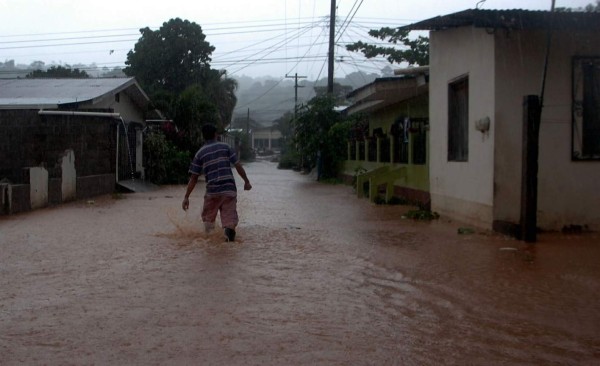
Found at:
<point>339,91</point>
<point>174,58</point>
<point>58,72</point>
<point>192,110</point>
<point>284,125</point>
<point>414,51</point>
<point>220,90</point>
<point>593,8</point>
<point>319,131</point>
<point>589,8</point>
<point>116,72</point>
<point>171,58</point>
<point>212,102</point>
<point>37,65</point>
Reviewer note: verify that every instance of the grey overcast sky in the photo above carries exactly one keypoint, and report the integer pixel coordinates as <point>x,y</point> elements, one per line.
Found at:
<point>251,37</point>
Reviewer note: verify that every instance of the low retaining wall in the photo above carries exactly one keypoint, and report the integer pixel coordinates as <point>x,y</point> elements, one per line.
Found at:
<point>54,191</point>
<point>413,196</point>
<point>95,185</point>
<point>17,197</point>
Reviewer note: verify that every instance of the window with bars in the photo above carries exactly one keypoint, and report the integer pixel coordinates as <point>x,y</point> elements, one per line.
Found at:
<point>586,108</point>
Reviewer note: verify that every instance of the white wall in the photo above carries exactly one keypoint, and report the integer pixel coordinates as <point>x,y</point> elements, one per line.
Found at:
<point>69,176</point>
<point>462,190</point>
<point>574,198</point>
<point>38,187</point>
<point>130,113</point>
<point>567,191</point>
<point>125,106</point>
<point>265,134</point>
<point>519,70</point>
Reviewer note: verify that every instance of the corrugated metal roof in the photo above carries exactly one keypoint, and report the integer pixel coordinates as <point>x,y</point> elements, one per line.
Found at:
<point>512,19</point>
<point>51,93</point>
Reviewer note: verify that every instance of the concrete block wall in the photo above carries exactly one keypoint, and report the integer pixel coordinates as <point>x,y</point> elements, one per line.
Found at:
<point>28,139</point>
<point>38,187</point>
<point>72,157</point>
<point>54,191</point>
<point>16,199</point>
<point>95,185</point>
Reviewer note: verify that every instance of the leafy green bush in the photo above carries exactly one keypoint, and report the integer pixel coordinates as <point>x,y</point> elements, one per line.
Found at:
<point>290,159</point>
<point>164,163</point>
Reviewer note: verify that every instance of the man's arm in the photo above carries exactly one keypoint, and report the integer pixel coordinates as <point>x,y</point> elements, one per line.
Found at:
<point>240,169</point>
<point>190,187</point>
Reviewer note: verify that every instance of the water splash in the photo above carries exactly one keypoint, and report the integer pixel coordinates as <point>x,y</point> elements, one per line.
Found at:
<point>189,230</point>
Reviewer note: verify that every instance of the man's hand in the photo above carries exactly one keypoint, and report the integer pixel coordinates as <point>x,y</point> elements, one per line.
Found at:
<point>190,187</point>
<point>242,173</point>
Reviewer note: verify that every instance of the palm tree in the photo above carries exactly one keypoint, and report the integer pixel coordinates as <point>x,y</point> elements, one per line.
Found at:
<point>220,90</point>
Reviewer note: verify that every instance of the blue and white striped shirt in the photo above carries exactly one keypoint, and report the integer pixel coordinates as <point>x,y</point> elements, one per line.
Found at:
<point>214,160</point>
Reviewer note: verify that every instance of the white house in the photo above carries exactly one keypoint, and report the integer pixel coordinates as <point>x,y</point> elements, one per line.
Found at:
<point>482,65</point>
<point>266,138</point>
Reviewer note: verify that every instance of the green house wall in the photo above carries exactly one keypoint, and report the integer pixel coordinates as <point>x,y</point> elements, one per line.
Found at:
<point>417,177</point>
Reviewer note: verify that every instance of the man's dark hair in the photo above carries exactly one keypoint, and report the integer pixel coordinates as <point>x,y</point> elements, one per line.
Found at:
<point>209,131</point>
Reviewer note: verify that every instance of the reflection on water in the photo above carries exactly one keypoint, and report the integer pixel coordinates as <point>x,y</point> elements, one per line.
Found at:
<point>316,277</point>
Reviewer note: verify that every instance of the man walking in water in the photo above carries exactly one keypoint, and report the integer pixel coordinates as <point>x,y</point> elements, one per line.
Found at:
<point>214,160</point>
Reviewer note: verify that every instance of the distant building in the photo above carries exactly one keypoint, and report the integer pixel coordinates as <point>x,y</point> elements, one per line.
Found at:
<point>266,139</point>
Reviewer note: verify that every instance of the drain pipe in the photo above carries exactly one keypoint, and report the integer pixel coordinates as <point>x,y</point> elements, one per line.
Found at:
<point>78,113</point>
<point>42,112</point>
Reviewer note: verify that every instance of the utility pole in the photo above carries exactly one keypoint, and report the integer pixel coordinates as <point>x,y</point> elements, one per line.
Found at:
<point>250,139</point>
<point>331,44</point>
<point>296,86</point>
<point>248,121</point>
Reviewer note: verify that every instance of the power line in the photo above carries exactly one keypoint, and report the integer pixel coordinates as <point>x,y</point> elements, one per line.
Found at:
<point>305,56</point>
<point>260,96</point>
<point>246,56</point>
<point>285,42</point>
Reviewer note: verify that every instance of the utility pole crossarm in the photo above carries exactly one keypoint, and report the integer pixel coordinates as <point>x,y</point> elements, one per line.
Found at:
<point>296,86</point>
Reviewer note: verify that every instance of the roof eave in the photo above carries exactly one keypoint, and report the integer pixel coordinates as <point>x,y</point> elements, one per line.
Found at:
<point>511,19</point>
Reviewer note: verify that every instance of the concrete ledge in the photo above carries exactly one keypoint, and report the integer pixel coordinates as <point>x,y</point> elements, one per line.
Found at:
<point>507,228</point>
<point>54,191</point>
<point>471,213</point>
<point>95,185</point>
<point>20,200</point>
<point>414,196</point>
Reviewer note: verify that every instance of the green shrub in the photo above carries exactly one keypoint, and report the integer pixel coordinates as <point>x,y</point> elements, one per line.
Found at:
<point>290,159</point>
<point>164,163</point>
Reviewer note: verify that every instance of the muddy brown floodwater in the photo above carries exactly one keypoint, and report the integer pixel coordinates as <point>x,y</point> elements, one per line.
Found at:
<point>318,277</point>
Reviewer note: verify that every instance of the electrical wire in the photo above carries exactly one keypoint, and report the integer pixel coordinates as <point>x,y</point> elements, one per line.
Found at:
<point>245,56</point>
<point>260,96</point>
<point>305,56</point>
<point>342,30</point>
<point>285,42</point>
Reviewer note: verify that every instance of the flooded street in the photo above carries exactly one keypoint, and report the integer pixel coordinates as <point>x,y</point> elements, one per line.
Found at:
<point>317,277</point>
